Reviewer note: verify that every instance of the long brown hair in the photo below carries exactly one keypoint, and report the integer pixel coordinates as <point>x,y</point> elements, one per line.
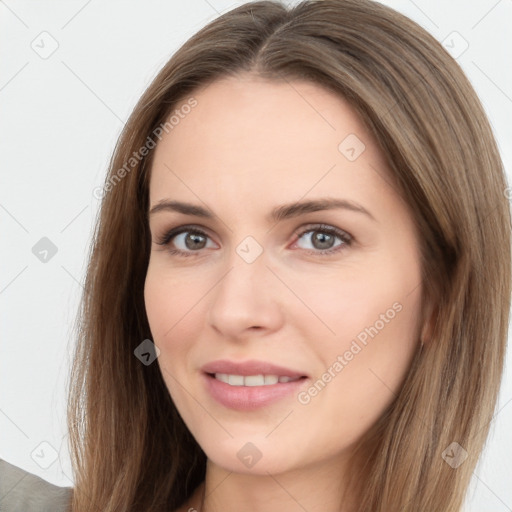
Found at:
<point>129,446</point>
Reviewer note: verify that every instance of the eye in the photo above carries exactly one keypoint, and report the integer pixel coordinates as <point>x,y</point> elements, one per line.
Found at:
<point>190,240</point>
<point>322,238</point>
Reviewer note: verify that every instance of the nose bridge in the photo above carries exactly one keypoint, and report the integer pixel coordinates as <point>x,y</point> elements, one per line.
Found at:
<point>245,296</point>
<point>247,274</point>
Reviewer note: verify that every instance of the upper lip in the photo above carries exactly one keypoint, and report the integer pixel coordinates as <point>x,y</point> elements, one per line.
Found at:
<point>252,367</point>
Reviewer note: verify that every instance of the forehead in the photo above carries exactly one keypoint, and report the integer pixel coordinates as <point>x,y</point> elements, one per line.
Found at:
<point>251,110</point>
<point>247,134</point>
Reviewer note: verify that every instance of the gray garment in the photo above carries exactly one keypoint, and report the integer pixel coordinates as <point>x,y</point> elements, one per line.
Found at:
<point>21,491</point>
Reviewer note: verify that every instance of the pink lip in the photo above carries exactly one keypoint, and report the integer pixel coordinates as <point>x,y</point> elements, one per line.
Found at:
<point>248,398</point>
<point>252,367</point>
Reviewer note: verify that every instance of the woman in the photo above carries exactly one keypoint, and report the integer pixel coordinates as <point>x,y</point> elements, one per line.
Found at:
<point>299,288</point>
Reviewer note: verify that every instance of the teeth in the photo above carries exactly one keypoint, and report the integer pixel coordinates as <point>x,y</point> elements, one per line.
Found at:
<point>253,380</point>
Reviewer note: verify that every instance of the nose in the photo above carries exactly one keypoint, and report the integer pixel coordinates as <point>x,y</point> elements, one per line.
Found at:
<point>246,300</point>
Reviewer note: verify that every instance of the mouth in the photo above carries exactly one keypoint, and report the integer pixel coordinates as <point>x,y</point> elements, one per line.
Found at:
<point>253,380</point>
<point>251,392</point>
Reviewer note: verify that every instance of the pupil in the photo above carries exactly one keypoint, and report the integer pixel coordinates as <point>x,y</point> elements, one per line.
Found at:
<point>196,240</point>
<point>324,239</point>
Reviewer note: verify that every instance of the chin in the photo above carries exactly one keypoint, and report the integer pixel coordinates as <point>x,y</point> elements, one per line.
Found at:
<point>250,455</point>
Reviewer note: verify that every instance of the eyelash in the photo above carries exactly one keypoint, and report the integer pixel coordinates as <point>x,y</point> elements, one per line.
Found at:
<point>345,237</point>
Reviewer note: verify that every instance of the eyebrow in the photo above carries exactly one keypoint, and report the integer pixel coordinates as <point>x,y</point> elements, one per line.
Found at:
<point>279,213</point>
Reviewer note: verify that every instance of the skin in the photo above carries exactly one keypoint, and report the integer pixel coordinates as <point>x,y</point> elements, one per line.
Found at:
<point>250,145</point>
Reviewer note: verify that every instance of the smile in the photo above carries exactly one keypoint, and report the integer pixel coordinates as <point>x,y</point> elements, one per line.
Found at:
<point>251,392</point>
<point>253,380</point>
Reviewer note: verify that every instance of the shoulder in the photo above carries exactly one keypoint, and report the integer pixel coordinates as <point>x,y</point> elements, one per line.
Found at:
<point>21,491</point>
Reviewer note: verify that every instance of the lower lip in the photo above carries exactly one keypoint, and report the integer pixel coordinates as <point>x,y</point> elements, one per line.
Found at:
<point>249,398</point>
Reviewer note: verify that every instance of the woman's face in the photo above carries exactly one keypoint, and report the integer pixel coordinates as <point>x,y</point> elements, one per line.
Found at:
<point>329,294</point>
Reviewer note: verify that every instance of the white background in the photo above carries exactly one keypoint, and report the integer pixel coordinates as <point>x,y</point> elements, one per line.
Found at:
<point>60,118</point>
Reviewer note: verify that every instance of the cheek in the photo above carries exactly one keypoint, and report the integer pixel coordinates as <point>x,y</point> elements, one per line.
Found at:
<point>340,304</point>
<point>169,303</point>
<point>175,306</point>
<point>159,306</point>
<point>377,332</point>
<point>368,318</point>
<point>166,295</point>
<point>364,294</point>
<point>169,307</point>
